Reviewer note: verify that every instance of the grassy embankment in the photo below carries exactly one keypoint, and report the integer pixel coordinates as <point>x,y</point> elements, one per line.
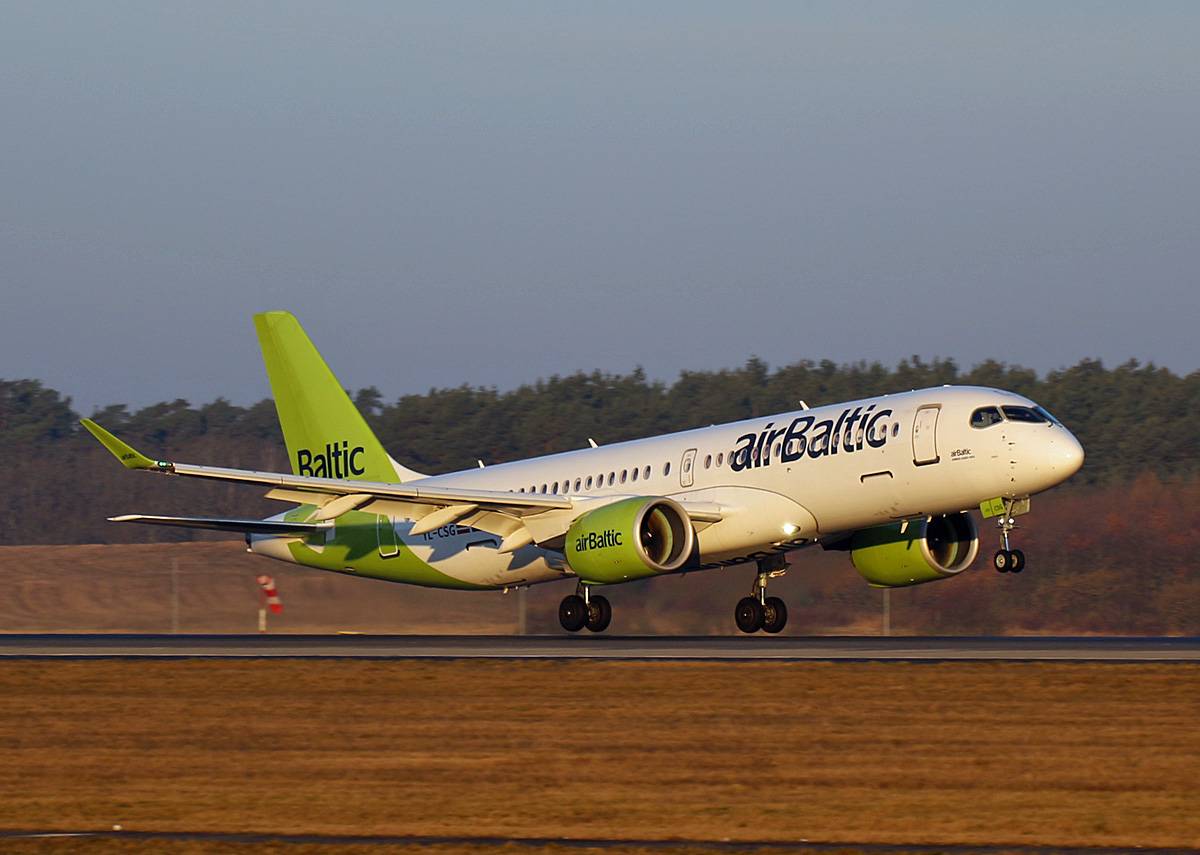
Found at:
<point>128,588</point>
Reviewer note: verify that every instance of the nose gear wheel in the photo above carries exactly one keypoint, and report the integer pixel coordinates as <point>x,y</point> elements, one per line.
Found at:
<point>1008,560</point>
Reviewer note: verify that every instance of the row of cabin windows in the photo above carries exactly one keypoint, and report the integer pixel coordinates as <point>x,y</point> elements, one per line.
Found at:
<point>613,478</point>
<point>599,481</point>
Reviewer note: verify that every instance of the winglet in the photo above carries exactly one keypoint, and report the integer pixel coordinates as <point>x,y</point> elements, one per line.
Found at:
<point>123,452</point>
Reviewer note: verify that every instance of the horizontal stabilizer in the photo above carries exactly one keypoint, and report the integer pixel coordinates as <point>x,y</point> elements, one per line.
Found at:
<point>278,528</point>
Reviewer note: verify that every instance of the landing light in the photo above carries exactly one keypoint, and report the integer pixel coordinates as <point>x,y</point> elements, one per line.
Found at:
<point>789,529</point>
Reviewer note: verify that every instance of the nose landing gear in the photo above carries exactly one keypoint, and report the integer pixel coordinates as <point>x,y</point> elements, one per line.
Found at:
<point>1008,560</point>
<point>758,611</point>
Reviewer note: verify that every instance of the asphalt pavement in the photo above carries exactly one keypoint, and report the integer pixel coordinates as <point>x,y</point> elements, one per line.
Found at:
<point>611,647</point>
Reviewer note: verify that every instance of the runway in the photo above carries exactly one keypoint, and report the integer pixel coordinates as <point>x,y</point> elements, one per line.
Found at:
<point>671,845</point>
<point>585,647</point>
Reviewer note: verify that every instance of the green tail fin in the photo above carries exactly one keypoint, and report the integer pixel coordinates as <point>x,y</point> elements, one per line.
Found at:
<point>325,433</point>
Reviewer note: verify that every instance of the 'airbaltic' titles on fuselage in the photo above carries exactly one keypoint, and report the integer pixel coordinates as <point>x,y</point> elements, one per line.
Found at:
<point>597,540</point>
<point>336,461</point>
<point>807,436</point>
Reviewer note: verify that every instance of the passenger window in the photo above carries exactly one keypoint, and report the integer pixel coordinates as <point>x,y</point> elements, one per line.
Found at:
<point>707,461</point>
<point>720,458</point>
<point>635,474</point>
<point>624,472</point>
<point>986,417</point>
<point>666,469</point>
<point>646,473</point>
<point>612,476</point>
<point>554,489</point>
<point>589,483</point>
<point>1023,414</point>
<point>576,485</point>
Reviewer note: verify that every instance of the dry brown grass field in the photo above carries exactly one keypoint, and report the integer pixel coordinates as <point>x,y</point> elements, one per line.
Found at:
<point>192,847</point>
<point>938,754</point>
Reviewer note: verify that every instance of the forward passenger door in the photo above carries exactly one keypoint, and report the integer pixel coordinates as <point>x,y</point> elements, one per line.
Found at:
<point>925,435</point>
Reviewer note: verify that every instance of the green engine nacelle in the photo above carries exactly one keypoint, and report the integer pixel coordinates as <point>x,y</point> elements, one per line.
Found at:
<point>916,551</point>
<point>630,539</point>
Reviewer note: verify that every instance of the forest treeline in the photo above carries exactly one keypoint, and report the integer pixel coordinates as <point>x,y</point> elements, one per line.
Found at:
<point>58,484</point>
<point>1116,550</point>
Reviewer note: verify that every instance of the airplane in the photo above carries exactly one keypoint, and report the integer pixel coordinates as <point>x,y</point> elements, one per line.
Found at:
<point>892,480</point>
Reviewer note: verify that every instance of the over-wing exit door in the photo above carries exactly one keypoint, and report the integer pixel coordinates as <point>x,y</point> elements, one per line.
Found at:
<point>687,474</point>
<point>925,435</point>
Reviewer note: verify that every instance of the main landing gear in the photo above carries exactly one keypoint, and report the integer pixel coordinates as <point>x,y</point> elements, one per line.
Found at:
<point>1009,560</point>
<point>758,611</point>
<point>584,609</point>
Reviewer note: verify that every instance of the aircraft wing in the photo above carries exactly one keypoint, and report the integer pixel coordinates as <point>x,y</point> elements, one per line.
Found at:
<point>519,518</point>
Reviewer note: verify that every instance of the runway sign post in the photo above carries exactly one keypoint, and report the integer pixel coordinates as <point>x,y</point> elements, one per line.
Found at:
<point>268,597</point>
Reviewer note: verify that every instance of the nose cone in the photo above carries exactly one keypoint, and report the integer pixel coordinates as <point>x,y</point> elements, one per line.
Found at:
<point>1054,458</point>
<point>1065,454</point>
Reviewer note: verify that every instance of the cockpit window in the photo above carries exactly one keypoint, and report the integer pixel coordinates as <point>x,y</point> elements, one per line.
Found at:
<point>1049,417</point>
<point>985,417</point>
<point>1024,414</point>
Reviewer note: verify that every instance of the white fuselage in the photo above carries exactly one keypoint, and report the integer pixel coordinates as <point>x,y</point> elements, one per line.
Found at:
<point>754,488</point>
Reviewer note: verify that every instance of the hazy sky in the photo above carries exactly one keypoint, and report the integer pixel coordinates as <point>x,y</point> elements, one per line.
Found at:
<point>451,193</point>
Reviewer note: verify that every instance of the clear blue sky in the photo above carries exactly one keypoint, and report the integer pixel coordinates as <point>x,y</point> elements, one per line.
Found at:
<point>450,193</point>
